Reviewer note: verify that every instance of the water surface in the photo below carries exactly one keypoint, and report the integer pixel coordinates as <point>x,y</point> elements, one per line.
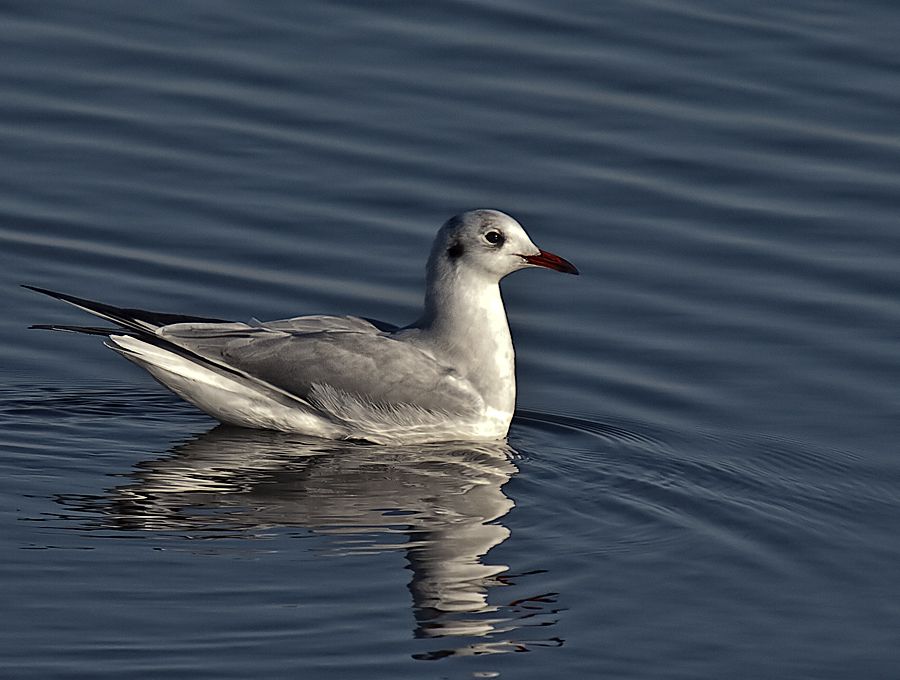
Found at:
<point>701,479</point>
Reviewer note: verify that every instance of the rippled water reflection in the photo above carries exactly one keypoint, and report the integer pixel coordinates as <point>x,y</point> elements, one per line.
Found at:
<point>441,505</point>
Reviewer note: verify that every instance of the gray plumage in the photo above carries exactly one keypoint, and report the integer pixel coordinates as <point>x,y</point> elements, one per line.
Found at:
<point>342,354</point>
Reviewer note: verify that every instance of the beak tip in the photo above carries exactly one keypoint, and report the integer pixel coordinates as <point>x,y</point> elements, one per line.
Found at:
<point>551,261</point>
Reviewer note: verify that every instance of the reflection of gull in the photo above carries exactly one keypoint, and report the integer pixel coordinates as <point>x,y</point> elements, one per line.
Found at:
<point>439,503</point>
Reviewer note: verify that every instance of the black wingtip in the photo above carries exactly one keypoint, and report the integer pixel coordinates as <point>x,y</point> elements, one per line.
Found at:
<point>87,330</point>
<point>52,293</point>
<point>124,317</point>
<point>140,320</point>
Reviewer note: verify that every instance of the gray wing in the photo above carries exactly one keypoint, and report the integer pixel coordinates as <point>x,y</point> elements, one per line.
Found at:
<point>311,324</point>
<point>331,368</point>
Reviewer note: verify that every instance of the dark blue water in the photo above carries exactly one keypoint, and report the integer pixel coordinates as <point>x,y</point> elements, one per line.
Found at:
<point>702,479</point>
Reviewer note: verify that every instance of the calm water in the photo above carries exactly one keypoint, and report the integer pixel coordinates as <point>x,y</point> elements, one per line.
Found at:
<point>703,478</point>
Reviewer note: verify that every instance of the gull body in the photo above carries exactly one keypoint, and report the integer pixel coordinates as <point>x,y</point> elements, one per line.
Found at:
<point>448,376</point>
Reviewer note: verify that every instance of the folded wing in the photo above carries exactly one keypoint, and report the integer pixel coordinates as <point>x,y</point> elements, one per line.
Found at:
<point>344,372</point>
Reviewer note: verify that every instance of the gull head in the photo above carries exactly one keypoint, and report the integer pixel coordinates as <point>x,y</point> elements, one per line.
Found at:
<point>490,243</point>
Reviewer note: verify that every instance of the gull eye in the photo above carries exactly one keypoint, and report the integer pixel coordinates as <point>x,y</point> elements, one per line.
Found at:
<point>494,237</point>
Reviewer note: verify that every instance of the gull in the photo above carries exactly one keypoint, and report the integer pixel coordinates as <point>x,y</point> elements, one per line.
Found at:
<point>450,376</point>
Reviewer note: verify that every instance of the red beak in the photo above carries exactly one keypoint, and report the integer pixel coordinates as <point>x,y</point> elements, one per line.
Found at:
<point>551,261</point>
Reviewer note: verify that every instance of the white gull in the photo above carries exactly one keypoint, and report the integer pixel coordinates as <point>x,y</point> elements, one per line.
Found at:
<point>448,376</point>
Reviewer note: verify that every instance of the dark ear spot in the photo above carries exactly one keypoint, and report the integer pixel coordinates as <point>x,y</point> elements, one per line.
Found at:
<point>455,250</point>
